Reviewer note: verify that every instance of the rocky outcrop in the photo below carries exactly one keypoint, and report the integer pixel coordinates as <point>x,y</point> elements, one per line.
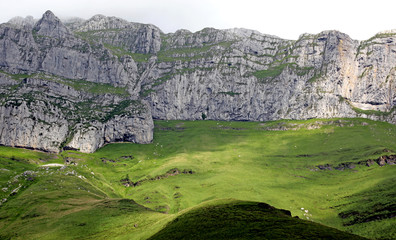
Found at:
<point>243,75</point>
<point>21,22</point>
<point>118,33</point>
<point>136,128</point>
<point>48,113</point>
<point>50,47</point>
<point>381,161</point>
<point>50,26</point>
<point>84,83</point>
<point>22,125</point>
<point>59,91</point>
<point>172,172</point>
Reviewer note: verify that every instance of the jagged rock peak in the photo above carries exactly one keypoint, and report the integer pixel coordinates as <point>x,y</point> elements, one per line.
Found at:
<point>49,25</point>
<point>101,22</point>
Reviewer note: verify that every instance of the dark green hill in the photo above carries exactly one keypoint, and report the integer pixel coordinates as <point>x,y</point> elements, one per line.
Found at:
<point>233,219</point>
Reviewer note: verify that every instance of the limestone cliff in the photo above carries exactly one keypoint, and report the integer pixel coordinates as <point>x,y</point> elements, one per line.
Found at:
<point>59,91</point>
<point>244,75</point>
<point>83,83</point>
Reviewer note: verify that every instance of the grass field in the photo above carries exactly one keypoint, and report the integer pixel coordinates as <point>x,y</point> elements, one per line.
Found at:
<point>192,162</point>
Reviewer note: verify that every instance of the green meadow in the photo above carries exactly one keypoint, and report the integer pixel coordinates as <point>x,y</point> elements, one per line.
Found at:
<point>133,191</point>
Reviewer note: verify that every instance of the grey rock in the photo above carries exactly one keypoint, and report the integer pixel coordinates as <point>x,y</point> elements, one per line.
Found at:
<point>20,22</point>
<point>83,83</point>
<point>50,113</point>
<point>50,47</point>
<point>317,76</point>
<point>137,128</point>
<point>28,126</point>
<point>101,22</point>
<point>49,25</point>
<point>132,37</point>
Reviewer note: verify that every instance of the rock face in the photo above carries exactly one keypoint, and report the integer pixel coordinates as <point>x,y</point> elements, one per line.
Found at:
<point>19,127</point>
<point>83,83</point>
<point>118,33</point>
<point>243,75</point>
<point>49,113</point>
<point>58,91</point>
<point>50,26</point>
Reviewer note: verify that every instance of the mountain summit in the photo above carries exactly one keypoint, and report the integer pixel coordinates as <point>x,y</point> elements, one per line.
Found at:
<point>49,25</point>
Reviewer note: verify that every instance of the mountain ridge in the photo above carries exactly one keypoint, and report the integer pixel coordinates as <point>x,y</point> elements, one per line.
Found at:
<point>117,69</point>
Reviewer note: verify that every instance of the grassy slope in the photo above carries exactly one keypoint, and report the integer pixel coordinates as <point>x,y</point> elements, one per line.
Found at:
<point>239,160</point>
<point>65,203</point>
<point>230,219</point>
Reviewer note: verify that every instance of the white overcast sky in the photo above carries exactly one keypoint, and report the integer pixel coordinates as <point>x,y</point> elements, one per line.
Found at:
<point>360,19</point>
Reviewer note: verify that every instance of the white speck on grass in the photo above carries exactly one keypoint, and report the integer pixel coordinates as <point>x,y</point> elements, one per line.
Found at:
<point>53,165</point>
